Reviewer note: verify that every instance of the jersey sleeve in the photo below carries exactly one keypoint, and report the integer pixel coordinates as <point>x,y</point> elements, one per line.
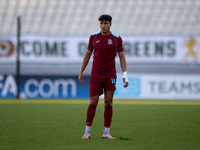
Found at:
<point>120,45</point>
<point>90,44</point>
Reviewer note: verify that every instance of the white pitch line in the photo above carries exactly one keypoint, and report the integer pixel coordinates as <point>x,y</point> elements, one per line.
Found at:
<point>125,102</point>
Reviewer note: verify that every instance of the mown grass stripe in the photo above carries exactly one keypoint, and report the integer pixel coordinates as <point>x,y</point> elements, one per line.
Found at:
<point>127,102</point>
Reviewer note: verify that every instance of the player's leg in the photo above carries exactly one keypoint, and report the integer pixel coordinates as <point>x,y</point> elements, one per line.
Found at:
<point>90,115</point>
<point>95,91</point>
<point>108,102</point>
<point>91,110</point>
<point>108,111</point>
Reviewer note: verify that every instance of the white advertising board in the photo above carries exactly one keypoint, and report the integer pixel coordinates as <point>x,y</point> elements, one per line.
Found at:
<point>62,50</point>
<point>160,87</point>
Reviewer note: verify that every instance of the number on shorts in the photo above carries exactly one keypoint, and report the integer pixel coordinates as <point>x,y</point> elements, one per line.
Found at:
<point>113,80</point>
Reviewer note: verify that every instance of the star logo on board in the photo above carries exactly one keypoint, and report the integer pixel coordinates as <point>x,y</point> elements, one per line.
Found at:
<point>192,47</point>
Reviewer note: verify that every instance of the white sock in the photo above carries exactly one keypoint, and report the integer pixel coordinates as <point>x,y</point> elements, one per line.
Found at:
<point>88,128</point>
<point>106,129</point>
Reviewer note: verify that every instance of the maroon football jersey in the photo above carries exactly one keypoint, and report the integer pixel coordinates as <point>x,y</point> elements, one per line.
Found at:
<point>105,49</point>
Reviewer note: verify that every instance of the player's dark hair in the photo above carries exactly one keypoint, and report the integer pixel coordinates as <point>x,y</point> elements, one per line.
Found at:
<point>105,17</point>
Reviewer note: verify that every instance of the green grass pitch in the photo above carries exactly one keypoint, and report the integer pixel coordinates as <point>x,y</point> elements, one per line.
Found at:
<point>59,125</point>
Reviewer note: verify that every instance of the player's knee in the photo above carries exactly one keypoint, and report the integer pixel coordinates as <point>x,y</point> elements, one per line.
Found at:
<point>94,101</point>
<point>108,102</point>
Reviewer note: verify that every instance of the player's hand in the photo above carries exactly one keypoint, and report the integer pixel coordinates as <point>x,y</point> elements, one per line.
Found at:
<point>81,78</point>
<point>125,83</point>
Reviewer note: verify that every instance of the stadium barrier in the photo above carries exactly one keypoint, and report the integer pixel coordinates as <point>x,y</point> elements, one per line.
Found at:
<point>141,86</point>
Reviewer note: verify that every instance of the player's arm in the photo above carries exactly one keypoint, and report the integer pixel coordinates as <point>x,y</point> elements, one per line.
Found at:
<point>83,66</point>
<point>123,67</point>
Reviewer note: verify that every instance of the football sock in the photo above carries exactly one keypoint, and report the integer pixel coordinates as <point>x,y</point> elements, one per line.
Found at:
<point>108,113</point>
<point>106,129</point>
<point>88,128</point>
<point>90,114</point>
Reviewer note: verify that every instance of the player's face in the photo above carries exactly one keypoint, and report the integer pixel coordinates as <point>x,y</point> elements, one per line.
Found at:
<point>105,27</point>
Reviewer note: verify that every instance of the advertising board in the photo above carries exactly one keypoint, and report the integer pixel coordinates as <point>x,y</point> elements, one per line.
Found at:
<point>141,86</point>
<point>62,50</point>
<point>159,87</point>
<point>44,87</point>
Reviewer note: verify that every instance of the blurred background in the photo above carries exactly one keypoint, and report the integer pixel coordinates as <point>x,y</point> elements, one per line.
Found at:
<point>80,17</point>
<point>174,23</point>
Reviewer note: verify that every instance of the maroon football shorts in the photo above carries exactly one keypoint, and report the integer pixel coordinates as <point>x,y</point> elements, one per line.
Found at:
<point>97,86</point>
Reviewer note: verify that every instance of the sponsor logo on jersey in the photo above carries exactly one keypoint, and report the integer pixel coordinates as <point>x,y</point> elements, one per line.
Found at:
<point>98,41</point>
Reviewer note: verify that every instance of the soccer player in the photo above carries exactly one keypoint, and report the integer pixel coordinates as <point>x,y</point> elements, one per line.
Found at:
<point>105,45</point>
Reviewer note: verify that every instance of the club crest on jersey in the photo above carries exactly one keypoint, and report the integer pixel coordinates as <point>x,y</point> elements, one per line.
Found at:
<point>110,41</point>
